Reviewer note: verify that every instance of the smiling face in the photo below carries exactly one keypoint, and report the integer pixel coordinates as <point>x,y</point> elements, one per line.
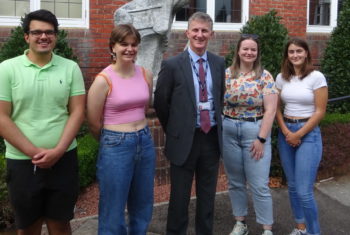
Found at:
<point>199,33</point>
<point>248,51</point>
<point>296,55</point>
<point>126,50</point>
<point>41,43</point>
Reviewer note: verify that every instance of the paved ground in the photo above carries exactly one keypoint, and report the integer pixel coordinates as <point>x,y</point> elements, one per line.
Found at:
<point>333,197</point>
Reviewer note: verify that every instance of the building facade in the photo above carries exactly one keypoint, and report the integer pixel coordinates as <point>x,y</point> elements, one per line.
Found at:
<point>89,23</point>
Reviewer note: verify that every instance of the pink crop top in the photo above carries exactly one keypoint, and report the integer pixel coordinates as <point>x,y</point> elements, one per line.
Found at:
<point>127,98</point>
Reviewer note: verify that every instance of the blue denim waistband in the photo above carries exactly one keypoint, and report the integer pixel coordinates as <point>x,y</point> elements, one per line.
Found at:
<point>144,130</point>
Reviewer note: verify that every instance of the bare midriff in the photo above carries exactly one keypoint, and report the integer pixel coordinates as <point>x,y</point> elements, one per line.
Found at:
<point>127,127</point>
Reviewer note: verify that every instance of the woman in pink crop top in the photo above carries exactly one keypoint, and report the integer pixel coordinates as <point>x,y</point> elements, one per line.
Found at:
<point>117,102</point>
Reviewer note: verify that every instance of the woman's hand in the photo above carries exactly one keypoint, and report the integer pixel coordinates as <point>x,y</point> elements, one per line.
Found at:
<point>257,149</point>
<point>293,139</point>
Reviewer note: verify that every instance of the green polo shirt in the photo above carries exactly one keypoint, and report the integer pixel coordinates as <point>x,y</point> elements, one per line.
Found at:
<point>39,97</point>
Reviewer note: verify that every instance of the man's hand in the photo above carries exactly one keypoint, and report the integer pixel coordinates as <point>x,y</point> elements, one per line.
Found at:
<point>47,158</point>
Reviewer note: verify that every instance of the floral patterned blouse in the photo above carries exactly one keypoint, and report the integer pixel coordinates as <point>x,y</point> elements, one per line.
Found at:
<point>244,94</point>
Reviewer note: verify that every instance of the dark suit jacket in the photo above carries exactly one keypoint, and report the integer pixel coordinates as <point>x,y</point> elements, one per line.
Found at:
<point>175,104</point>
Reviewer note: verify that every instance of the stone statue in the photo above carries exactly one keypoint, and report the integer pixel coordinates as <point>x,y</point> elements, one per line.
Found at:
<point>153,19</point>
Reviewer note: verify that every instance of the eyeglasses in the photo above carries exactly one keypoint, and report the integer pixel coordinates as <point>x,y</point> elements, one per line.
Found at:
<point>39,33</point>
<point>253,36</point>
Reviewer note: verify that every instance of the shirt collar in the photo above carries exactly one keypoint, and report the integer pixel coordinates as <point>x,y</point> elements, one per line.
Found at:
<point>27,62</point>
<point>195,57</point>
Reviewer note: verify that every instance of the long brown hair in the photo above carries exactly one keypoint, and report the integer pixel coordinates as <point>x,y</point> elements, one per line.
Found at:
<point>287,69</point>
<point>118,35</point>
<point>236,63</point>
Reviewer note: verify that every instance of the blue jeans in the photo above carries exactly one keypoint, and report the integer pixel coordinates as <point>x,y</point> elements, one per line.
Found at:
<point>125,173</point>
<point>241,168</point>
<point>300,165</point>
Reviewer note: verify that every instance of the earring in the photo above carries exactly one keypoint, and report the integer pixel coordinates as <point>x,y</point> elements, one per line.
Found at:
<point>113,55</point>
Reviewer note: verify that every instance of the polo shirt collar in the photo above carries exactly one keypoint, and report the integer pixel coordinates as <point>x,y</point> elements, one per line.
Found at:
<point>27,62</point>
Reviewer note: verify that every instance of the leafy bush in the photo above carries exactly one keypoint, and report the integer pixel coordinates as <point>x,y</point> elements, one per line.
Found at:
<point>272,37</point>
<point>2,146</point>
<point>336,61</point>
<point>16,45</point>
<point>87,156</point>
<point>229,56</point>
<point>6,215</point>
<point>332,118</point>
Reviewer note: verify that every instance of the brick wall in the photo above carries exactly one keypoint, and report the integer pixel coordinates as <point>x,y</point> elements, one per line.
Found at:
<point>293,12</point>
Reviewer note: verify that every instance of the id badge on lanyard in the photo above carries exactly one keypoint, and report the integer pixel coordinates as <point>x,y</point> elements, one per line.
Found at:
<point>204,106</point>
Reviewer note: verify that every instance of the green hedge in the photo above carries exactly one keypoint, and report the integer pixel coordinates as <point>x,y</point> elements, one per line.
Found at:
<point>331,118</point>
<point>87,156</point>
<point>335,63</point>
<point>6,215</point>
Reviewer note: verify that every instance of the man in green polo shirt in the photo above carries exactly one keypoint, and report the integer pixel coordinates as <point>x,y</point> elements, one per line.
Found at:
<point>42,100</point>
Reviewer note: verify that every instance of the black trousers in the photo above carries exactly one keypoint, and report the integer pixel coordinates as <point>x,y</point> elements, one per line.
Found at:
<point>203,163</point>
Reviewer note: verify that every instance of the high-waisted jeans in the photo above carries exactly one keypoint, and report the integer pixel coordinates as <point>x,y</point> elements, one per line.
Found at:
<point>300,165</point>
<point>241,168</point>
<point>125,173</point>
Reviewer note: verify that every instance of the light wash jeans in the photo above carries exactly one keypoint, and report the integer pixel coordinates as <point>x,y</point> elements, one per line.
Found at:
<point>125,173</point>
<point>242,169</point>
<point>300,165</point>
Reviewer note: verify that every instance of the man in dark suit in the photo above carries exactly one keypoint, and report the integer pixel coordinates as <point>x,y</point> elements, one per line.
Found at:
<point>188,102</point>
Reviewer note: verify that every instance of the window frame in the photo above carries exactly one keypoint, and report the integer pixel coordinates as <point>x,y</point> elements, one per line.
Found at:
<point>83,22</point>
<point>323,28</point>
<point>218,26</point>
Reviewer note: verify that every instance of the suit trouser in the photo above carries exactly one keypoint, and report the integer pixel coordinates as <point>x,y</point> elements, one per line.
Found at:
<point>203,162</point>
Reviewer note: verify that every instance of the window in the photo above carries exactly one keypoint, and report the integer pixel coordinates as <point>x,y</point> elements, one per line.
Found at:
<point>322,15</point>
<point>70,13</point>
<point>227,14</point>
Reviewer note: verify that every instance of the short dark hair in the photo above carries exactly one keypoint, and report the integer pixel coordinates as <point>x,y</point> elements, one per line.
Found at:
<point>41,15</point>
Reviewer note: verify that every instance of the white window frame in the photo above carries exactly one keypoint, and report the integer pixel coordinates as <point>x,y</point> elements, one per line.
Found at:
<point>219,26</point>
<point>83,22</point>
<point>324,28</point>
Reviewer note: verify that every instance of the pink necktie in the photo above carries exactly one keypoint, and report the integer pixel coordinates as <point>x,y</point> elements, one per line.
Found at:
<point>203,97</point>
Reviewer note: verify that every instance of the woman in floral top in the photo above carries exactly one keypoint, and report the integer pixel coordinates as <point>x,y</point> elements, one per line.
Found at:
<point>249,111</point>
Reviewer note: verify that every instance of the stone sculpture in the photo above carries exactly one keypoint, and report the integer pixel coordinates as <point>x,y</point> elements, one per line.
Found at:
<point>153,19</point>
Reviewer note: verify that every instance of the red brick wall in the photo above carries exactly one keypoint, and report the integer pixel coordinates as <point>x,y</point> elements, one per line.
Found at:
<point>293,12</point>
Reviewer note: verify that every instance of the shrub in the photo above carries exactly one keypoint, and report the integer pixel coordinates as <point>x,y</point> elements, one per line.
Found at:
<point>272,37</point>
<point>332,118</point>
<point>87,156</point>
<point>336,61</point>
<point>229,56</point>
<point>6,215</point>
<point>16,45</point>
<point>2,146</point>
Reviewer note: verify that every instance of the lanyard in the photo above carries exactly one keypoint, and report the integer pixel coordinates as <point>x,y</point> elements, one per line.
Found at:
<point>204,85</point>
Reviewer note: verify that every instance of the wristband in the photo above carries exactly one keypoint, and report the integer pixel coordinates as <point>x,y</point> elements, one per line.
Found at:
<point>262,140</point>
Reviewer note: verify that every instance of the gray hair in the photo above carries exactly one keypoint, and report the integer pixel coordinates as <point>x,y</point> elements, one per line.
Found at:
<point>198,15</point>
